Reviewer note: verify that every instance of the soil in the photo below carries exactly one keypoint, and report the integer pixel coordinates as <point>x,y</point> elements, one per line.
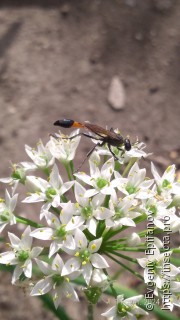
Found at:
<point>57,60</point>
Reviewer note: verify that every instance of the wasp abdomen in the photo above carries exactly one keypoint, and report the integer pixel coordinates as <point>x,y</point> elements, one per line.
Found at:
<point>65,123</point>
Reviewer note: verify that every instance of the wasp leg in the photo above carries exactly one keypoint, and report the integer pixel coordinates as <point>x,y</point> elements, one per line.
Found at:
<point>109,147</point>
<point>53,135</point>
<point>82,134</point>
<point>123,151</point>
<point>89,153</point>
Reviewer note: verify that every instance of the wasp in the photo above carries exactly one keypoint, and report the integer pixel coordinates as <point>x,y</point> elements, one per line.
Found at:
<point>104,136</point>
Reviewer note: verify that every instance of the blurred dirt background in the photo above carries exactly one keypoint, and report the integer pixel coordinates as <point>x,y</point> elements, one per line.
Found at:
<point>58,60</point>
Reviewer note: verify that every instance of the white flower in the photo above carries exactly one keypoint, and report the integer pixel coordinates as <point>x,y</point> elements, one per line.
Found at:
<point>85,257</point>
<point>125,309</point>
<point>64,149</point>
<point>124,212</point>
<point>166,184</point>
<point>22,254</point>
<point>49,191</point>
<point>90,210</point>
<point>99,179</point>
<point>133,240</point>
<point>7,209</point>
<point>99,282</point>
<point>99,279</point>
<point>121,153</point>
<point>153,266</point>
<point>60,231</point>
<point>19,173</point>
<point>157,209</point>
<point>54,282</point>
<point>175,297</point>
<point>42,156</point>
<point>174,223</point>
<point>135,183</point>
<point>136,152</point>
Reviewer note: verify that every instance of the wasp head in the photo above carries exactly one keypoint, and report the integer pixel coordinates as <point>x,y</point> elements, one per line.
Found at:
<point>127,144</point>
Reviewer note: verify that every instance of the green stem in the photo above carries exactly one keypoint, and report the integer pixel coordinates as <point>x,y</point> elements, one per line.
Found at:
<point>129,249</point>
<point>90,311</point>
<point>111,233</point>
<point>128,167</point>
<point>68,170</point>
<point>125,266</point>
<point>106,201</point>
<point>46,171</point>
<point>124,257</point>
<point>145,232</point>
<point>28,222</point>
<point>176,250</point>
<point>114,293</point>
<point>71,166</point>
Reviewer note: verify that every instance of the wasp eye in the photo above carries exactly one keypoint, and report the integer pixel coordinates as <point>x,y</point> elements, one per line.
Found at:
<point>127,144</point>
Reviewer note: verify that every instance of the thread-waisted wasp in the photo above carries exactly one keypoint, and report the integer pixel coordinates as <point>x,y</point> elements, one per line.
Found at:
<point>102,135</point>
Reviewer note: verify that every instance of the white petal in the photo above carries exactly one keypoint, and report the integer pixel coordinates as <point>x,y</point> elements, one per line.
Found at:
<point>35,252</point>
<point>94,245</point>
<point>52,219</point>
<point>35,184</point>
<point>135,299</point>
<point>74,223</point>
<point>41,287</point>
<point>154,172</point>
<point>70,292</point>
<point>35,197</point>
<point>68,209</point>
<point>6,180</point>
<point>103,213</point>
<point>69,243</point>
<point>57,264</point>
<point>8,258</point>
<point>87,272</point>
<point>147,183</point>
<point>109,313</point>
<point>14,240</point>
<point>44,266</point>
<point>13,202</point>
<point>55,179</point>
<point>3,226</point>
<point>98,261</point>
<point>90,193</point>
<point>127,222</point>
<point>92,225</point>
<point>84,177</point>
<point>28,268</point>
<point>66,186</point>
<point>42,233</point>
<point>142,262</point>
<point>107,169</point>
<point>54,247</point>
<point>79,191</point>
<point>174,270</point>
<point>70,266</point>
<point>98,199</point>
<point>16,274</point>
<point>26,239</point>
<point>80,239</point>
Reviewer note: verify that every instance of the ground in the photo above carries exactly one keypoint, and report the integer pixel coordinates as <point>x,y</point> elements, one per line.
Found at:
<point>57,60</point>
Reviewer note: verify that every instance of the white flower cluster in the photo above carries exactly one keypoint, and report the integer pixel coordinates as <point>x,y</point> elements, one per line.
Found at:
<point>80,217</point>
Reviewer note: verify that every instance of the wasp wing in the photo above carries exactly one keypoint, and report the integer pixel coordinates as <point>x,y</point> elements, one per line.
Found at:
<point>101,132</point>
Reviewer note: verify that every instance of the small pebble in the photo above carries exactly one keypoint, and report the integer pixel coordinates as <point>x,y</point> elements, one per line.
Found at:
<point>116,94</point>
